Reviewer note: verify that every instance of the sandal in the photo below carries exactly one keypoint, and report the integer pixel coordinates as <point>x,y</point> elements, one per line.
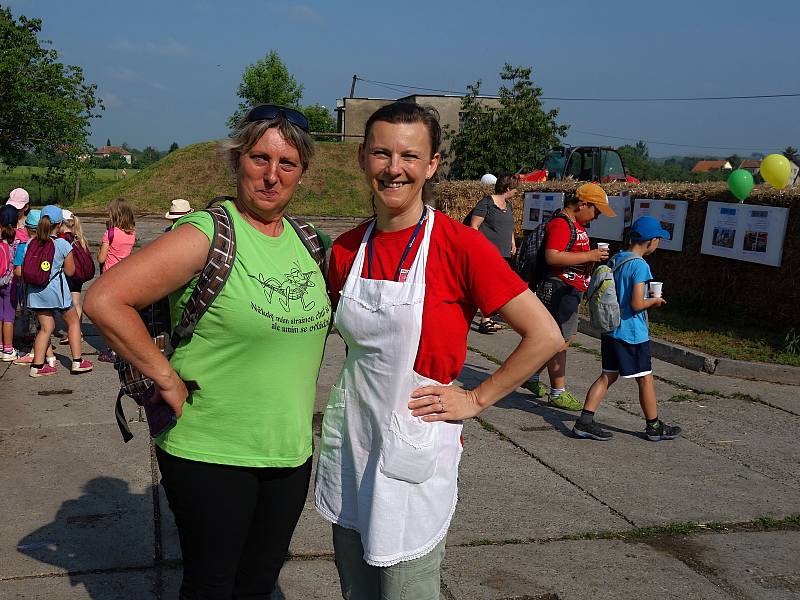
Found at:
<point>487,327</point>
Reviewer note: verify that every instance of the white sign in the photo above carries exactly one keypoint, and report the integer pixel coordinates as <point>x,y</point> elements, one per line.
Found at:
<point>612,228</point>
<point>671,214</point>
<point>745,232</point>
<point>539,208</point>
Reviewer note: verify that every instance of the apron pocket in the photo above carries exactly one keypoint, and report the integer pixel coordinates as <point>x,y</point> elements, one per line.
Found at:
<point>409,451</point>
<point>333,421</point>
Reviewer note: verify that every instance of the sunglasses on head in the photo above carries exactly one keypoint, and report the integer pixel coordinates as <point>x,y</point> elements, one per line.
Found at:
<point>267,112</point>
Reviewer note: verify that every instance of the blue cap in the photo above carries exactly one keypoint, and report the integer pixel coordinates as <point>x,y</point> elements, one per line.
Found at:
<point>53,212</point>
<point>646,228</point>
<point>8,216</point>
<point>32,220</point>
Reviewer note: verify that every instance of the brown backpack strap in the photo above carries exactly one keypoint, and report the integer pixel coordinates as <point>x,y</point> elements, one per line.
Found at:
<point>311,240</point>
<point>219,264</point>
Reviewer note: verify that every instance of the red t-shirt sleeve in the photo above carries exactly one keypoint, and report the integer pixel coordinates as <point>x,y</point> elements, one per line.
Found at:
<point>343,254</point>
<point>489,280</point>
<point>557,236</point>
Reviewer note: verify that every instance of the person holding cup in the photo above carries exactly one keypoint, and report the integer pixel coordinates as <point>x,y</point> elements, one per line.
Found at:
<point>625,351</point>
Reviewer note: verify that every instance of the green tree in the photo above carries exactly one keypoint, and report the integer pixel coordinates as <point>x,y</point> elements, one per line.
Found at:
<point>267,81</point>
<point>147,157</point>
<point>46,107</point>
<point>637,161</point>
<point>108,141</point>
<point>507,138</point>
<point>320,120</point>
<point>172,147</point>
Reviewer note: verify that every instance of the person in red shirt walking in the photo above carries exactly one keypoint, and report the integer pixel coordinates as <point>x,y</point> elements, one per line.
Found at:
<point>570,262</point>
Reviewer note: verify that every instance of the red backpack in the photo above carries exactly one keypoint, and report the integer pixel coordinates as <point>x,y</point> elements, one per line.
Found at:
<point>38,262</point>
<point>84,264</point>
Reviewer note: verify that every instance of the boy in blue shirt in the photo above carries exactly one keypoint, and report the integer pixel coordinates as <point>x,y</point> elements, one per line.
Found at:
<point>625,351</point>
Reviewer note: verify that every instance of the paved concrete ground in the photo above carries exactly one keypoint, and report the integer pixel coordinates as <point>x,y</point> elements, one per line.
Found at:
<point>541,515</point>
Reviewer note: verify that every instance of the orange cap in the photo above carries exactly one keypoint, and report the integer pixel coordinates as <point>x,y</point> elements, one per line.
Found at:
<point>593,193</point>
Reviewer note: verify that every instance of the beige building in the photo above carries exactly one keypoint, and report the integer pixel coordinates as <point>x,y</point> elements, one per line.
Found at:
<point>354,112</point>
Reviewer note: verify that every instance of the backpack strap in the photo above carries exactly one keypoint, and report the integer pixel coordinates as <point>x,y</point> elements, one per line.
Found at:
<point>311,240</point>
<point>219,264</point>
<point>623,261</point>
<point>573,231</point>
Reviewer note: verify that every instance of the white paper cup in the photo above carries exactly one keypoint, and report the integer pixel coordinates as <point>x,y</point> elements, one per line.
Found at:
<point>602,246</point>
<point>655,289</point>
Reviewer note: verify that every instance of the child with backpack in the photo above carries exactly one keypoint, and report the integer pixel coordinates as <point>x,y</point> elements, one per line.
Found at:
<point>117,244</point>
<point>119,236</point>
<point>8,226</point>
<point>46,264</point>
<point>625,350</point>
<point>72,231</point>
<point>569,259</point>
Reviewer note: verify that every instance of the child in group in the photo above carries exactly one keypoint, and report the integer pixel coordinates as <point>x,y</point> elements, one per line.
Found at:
<point>120,235</point>
<point>18,291</point>
<point>625,351</point>
<point>54,296</point>
<point>117,243</point>
<point>72,231</point>
<point>8,243</point>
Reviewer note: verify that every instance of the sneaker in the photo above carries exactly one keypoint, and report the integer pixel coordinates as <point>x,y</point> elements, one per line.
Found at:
<point>51,360</point>
<point>566,401</point>
<point>81,366</point>
<point>591,430</point>
<point>661,431</point>
<point>44,371</point>
<point>106,356</point>
<point>538,388</point>
<point>11,356</point>
<point>25,359</point>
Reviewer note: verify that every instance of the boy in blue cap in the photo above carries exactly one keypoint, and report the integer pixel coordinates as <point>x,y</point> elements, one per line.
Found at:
<point>625,351</point>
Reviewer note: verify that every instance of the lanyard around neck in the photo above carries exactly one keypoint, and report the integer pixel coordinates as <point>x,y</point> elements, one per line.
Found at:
<point>413,237</point>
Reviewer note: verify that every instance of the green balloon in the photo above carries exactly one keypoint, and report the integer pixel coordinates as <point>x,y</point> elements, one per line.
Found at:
<point>740,183</point>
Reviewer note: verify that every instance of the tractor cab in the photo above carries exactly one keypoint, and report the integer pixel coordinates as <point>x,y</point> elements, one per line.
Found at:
<point>580,163</point>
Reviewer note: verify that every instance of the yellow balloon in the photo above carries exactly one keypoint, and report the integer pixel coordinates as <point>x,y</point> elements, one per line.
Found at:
<point>775,169</point>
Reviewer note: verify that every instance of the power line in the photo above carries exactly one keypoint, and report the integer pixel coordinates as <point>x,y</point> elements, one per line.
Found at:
<point>571,99</point>
<point>633,139</point>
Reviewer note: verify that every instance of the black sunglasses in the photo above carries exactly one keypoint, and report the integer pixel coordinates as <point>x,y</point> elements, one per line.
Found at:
<point>267,112</point>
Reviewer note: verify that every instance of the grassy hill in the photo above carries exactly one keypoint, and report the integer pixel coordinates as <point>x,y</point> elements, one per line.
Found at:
<point>333,185</point>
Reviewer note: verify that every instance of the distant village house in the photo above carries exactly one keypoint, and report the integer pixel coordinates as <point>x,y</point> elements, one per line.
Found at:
<point>751,164</point>
<point>705,166</point>
<point>106,151</point>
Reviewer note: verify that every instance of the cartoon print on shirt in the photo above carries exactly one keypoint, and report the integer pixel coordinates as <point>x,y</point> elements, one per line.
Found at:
<point>294,287</point>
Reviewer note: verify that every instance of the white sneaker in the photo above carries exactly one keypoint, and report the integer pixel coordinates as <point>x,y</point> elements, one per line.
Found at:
<point>11,356</point>
<point>51,360</point>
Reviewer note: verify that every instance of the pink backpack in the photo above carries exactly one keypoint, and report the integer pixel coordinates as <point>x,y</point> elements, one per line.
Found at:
<point>6,264</point>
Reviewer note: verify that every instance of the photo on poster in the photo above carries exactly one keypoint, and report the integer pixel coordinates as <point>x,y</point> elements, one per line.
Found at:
<point>755,241</point>
<point>723,238</point>
<point>538,207</point>
<point>535,214</point>
<point>672,216</point>
<point>669,228</point>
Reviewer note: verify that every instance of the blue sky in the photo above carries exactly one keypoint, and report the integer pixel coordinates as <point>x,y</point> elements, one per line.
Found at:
<point>169,71</point>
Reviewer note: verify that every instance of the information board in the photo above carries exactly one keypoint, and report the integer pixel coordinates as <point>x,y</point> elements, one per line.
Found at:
<point>745,232</point>
<point>539,206</point>
<point>671,214</point>
<point>612,228</point>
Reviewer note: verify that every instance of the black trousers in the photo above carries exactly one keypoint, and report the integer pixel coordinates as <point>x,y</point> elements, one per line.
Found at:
<point>234,524</point>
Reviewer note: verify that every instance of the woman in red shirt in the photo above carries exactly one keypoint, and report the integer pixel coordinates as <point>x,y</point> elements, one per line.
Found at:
<point>406,286</point>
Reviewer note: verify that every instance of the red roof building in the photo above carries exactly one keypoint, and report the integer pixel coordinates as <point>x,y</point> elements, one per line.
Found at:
<point>704,166</point>
<point>106,151</point>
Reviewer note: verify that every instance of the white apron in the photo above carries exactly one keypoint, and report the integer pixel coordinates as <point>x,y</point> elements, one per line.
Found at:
<point>382,472</point>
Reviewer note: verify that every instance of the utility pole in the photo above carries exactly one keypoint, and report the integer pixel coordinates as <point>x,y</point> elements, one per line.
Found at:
<point>353,85</point>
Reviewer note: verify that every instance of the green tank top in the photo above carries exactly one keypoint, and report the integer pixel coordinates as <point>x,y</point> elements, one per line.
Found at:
<point>255,354</point>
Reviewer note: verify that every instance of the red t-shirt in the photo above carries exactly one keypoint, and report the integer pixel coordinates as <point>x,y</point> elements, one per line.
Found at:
<point>556,237</point>
<point>464,272</point>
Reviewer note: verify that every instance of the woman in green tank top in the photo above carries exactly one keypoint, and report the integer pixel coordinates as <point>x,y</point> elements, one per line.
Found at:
<point>236,465</point>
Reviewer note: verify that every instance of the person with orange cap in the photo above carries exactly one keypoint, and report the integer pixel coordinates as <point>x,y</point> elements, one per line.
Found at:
<point>570,261</point>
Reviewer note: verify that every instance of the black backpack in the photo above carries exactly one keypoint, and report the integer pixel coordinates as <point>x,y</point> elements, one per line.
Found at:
<point>156,317</point>
<point>530,262</point>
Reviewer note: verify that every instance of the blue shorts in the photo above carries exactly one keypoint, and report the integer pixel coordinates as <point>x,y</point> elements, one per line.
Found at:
<point>628,360</point>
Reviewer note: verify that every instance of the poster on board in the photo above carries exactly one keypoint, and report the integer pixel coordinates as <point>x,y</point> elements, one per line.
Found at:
<point>539,207</point>
<point>745,232</point>
<point>612,228</point>
<point>671,214</point>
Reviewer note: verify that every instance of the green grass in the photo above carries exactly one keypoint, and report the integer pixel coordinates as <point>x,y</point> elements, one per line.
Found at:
<point>42,194</point>
<point>722,335</point>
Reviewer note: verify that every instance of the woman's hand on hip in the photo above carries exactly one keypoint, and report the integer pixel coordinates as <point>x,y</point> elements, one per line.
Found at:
<point>444,403</point>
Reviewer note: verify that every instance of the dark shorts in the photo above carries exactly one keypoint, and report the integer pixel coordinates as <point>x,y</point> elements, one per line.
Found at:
<point>562,301</point>
<point>628,360</point>
<point>74,286</point>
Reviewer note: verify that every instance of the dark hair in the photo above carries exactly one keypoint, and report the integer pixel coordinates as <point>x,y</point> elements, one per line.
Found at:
<point>505,182</point>
<point>571,199</point>
<point>406,112</point>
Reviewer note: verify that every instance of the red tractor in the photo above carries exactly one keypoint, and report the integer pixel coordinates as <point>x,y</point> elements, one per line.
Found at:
<point>580,163</point>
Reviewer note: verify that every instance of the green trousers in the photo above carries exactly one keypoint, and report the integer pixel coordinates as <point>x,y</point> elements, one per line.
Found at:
<point>416,579</point>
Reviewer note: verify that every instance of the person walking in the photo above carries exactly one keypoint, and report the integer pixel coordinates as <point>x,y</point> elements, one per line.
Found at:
<point>570,262</point>
<point>625,351</point>
<point>493,216</point>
